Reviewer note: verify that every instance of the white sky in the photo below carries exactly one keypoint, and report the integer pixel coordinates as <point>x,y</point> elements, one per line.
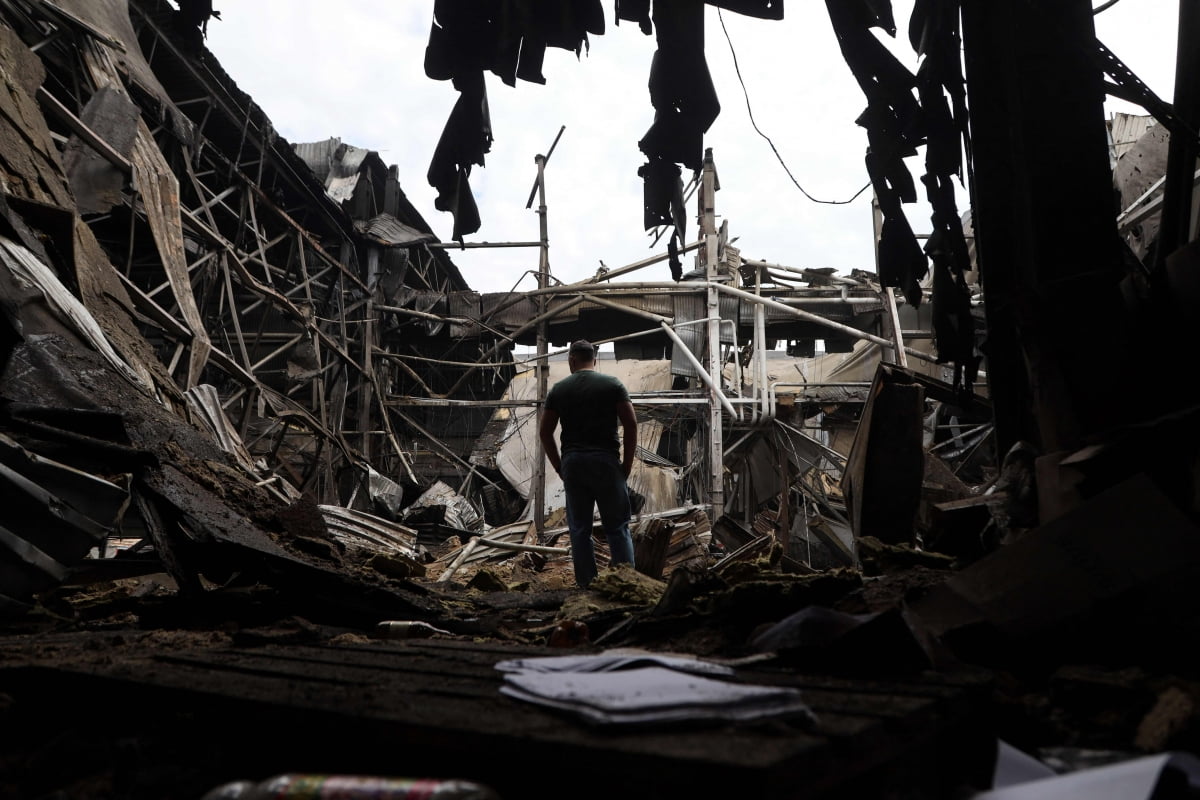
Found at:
<point>354,70</point>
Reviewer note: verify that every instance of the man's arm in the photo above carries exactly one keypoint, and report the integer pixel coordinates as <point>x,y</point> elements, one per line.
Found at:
<point>546,434</point>
<point>629,426</point>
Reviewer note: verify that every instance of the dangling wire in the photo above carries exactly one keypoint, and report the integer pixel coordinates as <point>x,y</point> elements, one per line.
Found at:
<point>750,111</point>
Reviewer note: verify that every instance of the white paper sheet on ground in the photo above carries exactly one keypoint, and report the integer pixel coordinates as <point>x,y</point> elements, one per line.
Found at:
<point>1016,766</point>
<point>608,662</point>
<point>1135,779</point>
<point>652,695</point>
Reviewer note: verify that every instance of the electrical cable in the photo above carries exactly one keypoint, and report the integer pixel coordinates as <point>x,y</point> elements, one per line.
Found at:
<point>1104,7</point>
<point>750,111</point>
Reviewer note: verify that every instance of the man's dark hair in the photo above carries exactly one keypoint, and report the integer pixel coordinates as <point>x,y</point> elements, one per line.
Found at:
<point>583,349</point>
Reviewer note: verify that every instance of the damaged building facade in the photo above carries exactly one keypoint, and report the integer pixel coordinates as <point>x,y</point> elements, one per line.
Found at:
<point>249,366</point>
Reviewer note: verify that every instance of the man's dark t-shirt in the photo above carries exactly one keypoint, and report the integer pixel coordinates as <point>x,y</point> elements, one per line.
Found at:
<point>586,402</point>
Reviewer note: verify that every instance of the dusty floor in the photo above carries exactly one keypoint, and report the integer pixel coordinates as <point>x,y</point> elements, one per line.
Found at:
<point>1071,713</point>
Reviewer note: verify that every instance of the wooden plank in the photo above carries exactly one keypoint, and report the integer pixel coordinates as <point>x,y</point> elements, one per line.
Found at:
<point>389,707</point>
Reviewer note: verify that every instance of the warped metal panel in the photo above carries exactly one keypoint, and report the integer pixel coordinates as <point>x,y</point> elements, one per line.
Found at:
<point>368,532</point>
<point>505,310</point>
<point>688,308</point>
<point>391,232</point>
<point>54,516</point>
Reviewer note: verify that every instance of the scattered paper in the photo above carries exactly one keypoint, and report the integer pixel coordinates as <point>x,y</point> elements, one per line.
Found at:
<point>608,662</point>
<point>1136,779</point>
<point>652,694</point>
<point>1015,766</point>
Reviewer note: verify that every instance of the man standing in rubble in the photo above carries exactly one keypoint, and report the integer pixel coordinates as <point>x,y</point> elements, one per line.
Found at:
<point>589,405</point>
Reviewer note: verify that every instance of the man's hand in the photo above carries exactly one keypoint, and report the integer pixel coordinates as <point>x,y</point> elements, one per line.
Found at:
<point>629,443</point>
<point>546,428</point>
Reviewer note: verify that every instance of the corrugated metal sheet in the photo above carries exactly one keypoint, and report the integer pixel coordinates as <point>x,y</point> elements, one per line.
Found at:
<point>368,532</point>
<point>691,307</point>
<point>318,156</point>
<point>343,172</point>
<point>463,304</point>
<point>513,314</point>
<point>687,309</point>
<point>1124,130</point>
<point>655,303</point>
<point>391,232</point>
<point>834,310</point>
<point>55,515</point>
<point>204,405</point>
<point>729,308</point>
<point>336,164</point>
<point>459,513</point>
<point>426,302</point>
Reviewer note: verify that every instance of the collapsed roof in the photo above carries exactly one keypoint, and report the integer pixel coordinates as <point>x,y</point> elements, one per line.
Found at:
<point>235,348</point>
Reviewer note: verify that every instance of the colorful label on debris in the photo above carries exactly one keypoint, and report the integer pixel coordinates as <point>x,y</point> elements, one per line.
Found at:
<point>348,787</point>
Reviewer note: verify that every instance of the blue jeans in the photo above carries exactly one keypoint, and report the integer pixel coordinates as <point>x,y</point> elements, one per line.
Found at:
<point>594,479</point>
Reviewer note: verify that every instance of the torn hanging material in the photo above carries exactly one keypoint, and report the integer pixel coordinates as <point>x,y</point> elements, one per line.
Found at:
<point>662,204</point>
<point>895,127</point>
<point>524,30</point>
<point>635,11</point>
<point>681,88</point>
<point>508,39</point>
<point>464,141</point>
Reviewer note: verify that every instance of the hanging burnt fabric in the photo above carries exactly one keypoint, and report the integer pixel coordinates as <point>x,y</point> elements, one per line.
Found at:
<point>509,39</point>
<point>662,195</point>
<point>464,141</point>
<point>681,88</point>
<point>902,263</point>
<point>634,11</point>
<point>934,34</point>
<point>953,324</point>
<point>673,258</point>
<point>525,28</point>
<point>947,223</point>
<point>191,23</point>
<point>662,204</point>
<point>566,25</point>
<point>895,128</point>
<point>940,74</point>
<point>518,52</point>
<point>460,40</point>
<point>763,9</point>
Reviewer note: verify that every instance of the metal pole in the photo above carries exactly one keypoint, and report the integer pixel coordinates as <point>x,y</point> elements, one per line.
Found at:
<point>711,255</point>
<point>893,322</point>
<point>542,369</point>
<point>891,314</point>
<point>1176,219</point>
<point>714,388</point>
<point>760,350</point>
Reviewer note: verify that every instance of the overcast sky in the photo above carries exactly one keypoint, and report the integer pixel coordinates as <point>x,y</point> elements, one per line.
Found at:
<point>354,70</point>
